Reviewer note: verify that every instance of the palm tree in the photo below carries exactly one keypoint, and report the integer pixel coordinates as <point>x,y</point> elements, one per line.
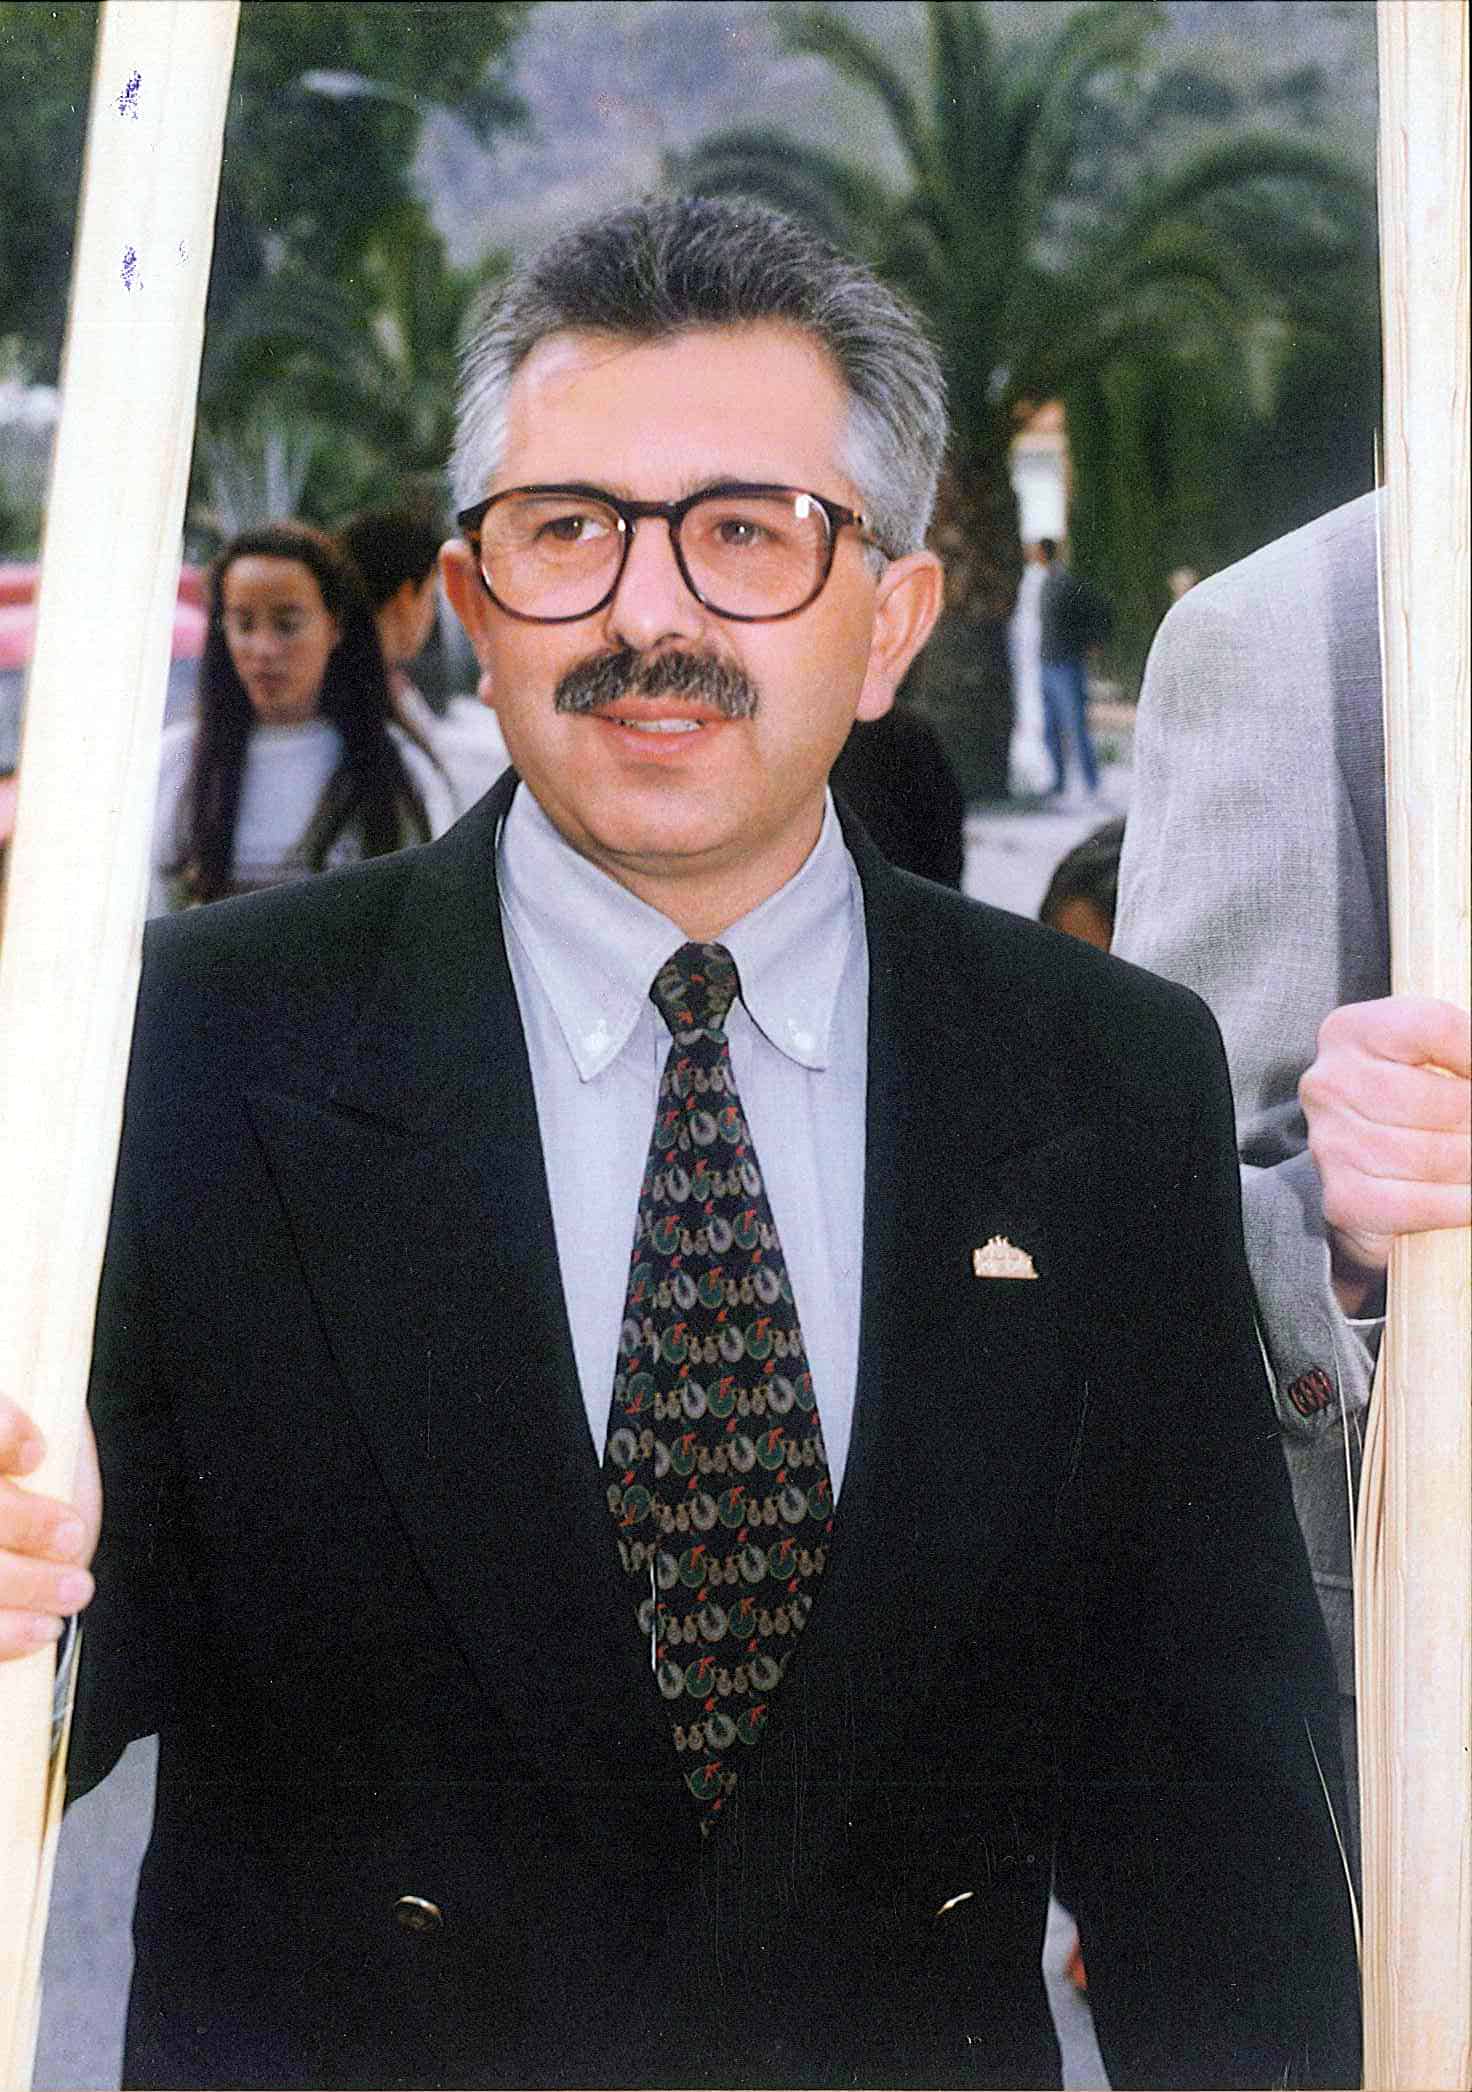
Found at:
<point>1042,280</point>
<point>345,386</point>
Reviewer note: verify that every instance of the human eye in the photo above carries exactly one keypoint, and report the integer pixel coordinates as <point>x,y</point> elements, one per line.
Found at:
<point>575,528</point>
<point>563,524</point>
<point>751,525</point>
<point>740,533</point>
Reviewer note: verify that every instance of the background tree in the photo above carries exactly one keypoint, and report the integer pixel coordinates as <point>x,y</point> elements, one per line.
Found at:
<point>1059,251</point>
<point>319,228</point>
<point>341,389</point>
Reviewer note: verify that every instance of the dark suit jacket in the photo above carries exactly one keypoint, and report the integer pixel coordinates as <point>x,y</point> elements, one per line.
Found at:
<point>893,772</point>
<point>359,1573</point>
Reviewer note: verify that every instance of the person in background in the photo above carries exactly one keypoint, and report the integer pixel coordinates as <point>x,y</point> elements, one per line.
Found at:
<point>1080,899</point>
<point>894,773</point>
<point>396,553</point>
<point>1254,872</point>
<point>1074,618</point>
<point>1180,581</point>
<point>1029,764</point>
<point>292,762</point>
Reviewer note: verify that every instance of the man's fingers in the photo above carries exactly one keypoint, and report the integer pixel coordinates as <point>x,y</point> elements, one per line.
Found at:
<point>1371,1209</point>
<point>1387,1093</point>
<point>1404,1154</point>
<point>30,1585</point>
<point>1412,1029</point>
<point>42,1579</point>
<point>40,1525</point>
<point>22,1447</point>
<point>21,1634</point>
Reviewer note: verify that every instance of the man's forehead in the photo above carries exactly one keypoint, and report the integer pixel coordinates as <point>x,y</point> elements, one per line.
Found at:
<point>763,400</point>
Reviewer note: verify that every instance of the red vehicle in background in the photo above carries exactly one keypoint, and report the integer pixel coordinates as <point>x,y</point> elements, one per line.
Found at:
<point>18,582</point>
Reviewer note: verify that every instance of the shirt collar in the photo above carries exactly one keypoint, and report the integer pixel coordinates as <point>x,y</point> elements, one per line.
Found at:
<point>595,947</point>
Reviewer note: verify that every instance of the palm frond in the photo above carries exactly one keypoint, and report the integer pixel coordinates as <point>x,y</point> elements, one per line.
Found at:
<point>816,33</point>
<point>1226,164</point>
<point>1044,95</point>
<point>963,94</point>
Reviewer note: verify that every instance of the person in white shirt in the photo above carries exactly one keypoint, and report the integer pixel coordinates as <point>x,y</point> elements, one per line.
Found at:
<point>396,553</point>
<point>292,762</point>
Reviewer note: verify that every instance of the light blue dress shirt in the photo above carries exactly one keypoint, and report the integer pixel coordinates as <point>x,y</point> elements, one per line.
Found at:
<point>584,952</point>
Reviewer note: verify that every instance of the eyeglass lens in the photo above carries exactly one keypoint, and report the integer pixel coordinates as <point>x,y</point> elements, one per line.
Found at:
<point>749,555</point>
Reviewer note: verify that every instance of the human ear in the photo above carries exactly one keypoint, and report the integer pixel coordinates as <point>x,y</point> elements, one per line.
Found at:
<point>906,606</point>
<point>467,595</point>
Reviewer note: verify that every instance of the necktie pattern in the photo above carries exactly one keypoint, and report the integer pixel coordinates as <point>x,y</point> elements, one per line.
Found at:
<point>715,1470</point>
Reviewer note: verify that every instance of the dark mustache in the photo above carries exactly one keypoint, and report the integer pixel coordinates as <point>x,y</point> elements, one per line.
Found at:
<point>627,673</point>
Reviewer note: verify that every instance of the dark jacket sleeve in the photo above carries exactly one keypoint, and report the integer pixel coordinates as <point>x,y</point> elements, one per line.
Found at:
<point>135,1631</point>
<point>1199,1754</point>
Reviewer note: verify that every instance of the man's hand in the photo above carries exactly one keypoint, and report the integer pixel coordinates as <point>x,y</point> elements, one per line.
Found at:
<point>1390,1129</point>
<point>45,1546</point>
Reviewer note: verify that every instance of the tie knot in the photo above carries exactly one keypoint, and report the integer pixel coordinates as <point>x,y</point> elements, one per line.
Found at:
<point>695,988</point>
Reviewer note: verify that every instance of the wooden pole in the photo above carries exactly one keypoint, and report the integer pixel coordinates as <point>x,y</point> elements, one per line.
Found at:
<point>1414,1541</point>
<point>89,760</point>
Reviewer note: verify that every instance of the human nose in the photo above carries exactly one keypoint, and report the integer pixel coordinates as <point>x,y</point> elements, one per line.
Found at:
<point>652,602</point>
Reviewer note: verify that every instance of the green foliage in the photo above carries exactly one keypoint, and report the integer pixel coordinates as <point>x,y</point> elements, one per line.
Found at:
<point>1078,221</point>
<point>308,173</point>
<point>45,65</point>
<point>347,384</point>
<point>332,312</point>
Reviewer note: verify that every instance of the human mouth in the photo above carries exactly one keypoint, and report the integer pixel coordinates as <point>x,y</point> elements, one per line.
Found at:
<point>661,729</point>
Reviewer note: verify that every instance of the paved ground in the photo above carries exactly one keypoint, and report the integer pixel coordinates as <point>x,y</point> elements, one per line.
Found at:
<point>1010,855</point>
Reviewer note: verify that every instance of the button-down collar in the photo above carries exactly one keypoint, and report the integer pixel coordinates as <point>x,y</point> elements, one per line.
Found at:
<point>596,947</point>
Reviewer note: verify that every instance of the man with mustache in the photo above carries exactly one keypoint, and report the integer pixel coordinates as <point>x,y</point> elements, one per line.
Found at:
<point>684,1664</point>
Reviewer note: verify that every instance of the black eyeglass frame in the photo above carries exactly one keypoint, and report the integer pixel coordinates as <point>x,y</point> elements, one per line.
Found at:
<point>629,513</point>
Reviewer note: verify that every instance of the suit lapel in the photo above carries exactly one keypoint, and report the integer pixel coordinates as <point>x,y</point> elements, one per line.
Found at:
<point>964,1399</point>
<point>415,1188</point>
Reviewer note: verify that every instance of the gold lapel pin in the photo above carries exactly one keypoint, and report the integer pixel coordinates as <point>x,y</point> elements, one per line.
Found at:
<point>1000,1260</point>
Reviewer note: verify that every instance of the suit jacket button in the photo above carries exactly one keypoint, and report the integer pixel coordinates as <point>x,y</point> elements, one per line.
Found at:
<point>1311,1391</point>
<point>417,1914</point>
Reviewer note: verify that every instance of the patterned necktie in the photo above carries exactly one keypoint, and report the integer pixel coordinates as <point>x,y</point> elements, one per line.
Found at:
<point>716,1474</point>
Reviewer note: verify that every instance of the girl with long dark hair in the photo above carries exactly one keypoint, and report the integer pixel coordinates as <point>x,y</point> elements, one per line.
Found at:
<point>293,761</point>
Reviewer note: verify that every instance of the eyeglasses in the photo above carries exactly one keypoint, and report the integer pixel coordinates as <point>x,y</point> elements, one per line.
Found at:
<point>749,552</point>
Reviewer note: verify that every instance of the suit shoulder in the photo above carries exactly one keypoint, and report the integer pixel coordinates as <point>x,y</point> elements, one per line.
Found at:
<point>1078,1038</point>
<point>278,962</point>
<point>1335,551</point>
<point>1042,979</point>
<point>1292,626</point>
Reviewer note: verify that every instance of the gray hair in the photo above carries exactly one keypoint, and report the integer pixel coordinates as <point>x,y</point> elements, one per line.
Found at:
<point>660,267</point>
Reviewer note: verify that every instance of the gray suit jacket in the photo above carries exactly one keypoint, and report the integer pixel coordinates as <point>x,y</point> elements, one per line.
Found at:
<point>1254,871</point>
